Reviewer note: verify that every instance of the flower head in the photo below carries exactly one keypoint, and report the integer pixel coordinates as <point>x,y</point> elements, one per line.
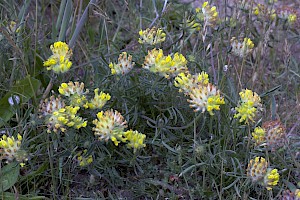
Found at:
<point>110,125</point>
<point>166,66</point>
<point>124,64</point>
<point>135,139</point>
<point>152,36</point>
<point>205,97</point>
<point>11,148</point>
<point>59,61</point>
<point>186,82</point>
<point>58,116</point>
<point>257,168</point>
<point>241,49</point>
<point>259,135</point>
<point>98,101</point>
<point>275,134</point>
<point>271,178</point>
<point>209,14</point>
<point>248,106</point>
<point>75,92</point>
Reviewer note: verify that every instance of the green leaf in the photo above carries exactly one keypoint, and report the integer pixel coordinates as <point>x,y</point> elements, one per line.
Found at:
<point>25,89</point>
<point>9,175</point>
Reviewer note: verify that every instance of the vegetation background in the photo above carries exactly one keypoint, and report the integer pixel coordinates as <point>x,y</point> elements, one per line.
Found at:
<point>187,155</point>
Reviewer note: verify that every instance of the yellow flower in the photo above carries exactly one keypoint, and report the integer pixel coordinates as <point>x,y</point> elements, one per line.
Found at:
<point>58,116</point>
<point>259,135</point>
<point>209,14</point>
<point>193,25</point>
<point>75,92</point>
<point>264,12</point>
<point>124,64</point>
<point>110,125</point>
<point>292,18</point>
<point>257,168</point>
<point>205,97</point>
<point>11,148</point>
<point>241,49</point>
<point>98,101</point>
<point>271,178</point>
<point>297,194</point>
<point>248,106</point>
<point>152,36</point>
<point>59,61</point>
<point>166,66</point>
<point>135,139</point>
<point>186,82</point>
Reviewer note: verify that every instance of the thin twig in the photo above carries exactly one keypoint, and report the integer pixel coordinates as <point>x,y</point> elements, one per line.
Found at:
<point>157,14</point>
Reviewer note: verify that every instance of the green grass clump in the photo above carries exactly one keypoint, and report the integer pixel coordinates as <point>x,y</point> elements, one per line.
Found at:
<point>149,100</point>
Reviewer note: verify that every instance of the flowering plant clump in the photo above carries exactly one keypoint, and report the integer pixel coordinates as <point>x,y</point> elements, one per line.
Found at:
<point>58,116</point>
<point>10,149</point>
<point>59,61</point>
<point>152,36</point>
<point>258,171</point>
<point>75,93</point>
<point>241,49</point>
<point>248,106</point>
<point>166,66</point>
<point>135,139</point>
<point>208,13</point>
<point>288,14</point>
<point>110,125</point>
<point>98,101</point>
<point>123,66</point>
<point>186,82</point>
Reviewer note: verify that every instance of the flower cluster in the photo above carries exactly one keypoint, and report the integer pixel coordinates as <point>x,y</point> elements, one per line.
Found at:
<point>264,12</point>
<point>241,49</point>
<point>287,13</point>
<point>248,106</point>
<point>84,159</point>
<point>75,93</point>
<point>258,171</point>
<point>204,95</point>
<point>152,36</point>
<point>208,13</point>
<point>272,133</point>
<point>98,101</point>
<point>110,125</point>
<point>59,61</point>
<point>166,66</point>
<point>11,149</point>
<point>123,66</point>
<point>58,116</point>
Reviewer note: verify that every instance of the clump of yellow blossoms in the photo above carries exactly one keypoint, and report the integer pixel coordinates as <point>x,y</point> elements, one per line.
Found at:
<point>152,36</point>
<point>59,61</point>
<point>204,95</point>
<point>241,49</point>
<point>258,171</point>
<point>287,13</point>
<point>166,66</point>
<point>124,64</point>
<point>248,106</point>
<point>186,82</point>
<point>271,178</point>
<point>110,125</point>
<point>98,101</point>
<point>264,12</point>
<point>209,14</point>
<point>135,139</point>
<point>193,25</point>
<point>10,149</point>
<point>58,116</point>
<point>75,92</point>
<point>84,159</point>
